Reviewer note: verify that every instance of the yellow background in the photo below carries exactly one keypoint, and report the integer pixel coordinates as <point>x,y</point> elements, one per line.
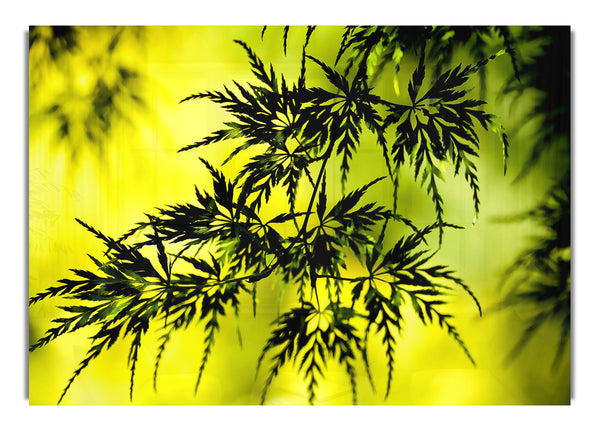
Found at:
<point>138,169</point>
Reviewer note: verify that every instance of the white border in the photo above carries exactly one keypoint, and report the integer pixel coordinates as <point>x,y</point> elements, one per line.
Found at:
<point>18,16</point>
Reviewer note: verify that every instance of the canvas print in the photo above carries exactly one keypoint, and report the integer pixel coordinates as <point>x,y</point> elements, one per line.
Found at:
<point>323,215</point>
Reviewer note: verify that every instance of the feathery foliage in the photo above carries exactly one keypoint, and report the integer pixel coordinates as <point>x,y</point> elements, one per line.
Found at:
<point>193,262</point>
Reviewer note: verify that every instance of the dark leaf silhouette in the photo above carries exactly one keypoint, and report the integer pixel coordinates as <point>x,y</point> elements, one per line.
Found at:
<point>194,262</point>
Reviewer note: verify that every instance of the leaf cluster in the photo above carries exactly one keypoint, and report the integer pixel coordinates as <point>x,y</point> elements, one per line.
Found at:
<point>375,47</point>
<point>439,127</point>
<point>192,262</point>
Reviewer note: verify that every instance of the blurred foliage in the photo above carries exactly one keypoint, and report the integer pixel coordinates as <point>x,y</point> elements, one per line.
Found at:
<point>84,91</point>
<point>540,277</point>
<point>548,71</point>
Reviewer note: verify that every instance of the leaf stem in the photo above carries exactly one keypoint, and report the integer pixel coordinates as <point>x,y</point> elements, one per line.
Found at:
<point>326,156</point>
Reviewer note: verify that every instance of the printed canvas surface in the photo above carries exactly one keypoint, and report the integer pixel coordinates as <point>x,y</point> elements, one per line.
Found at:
<point>299,215</point>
